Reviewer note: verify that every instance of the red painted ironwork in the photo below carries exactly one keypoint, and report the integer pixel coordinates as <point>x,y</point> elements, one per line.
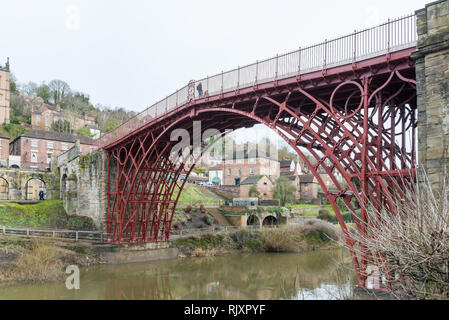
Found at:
<point>355,115</point>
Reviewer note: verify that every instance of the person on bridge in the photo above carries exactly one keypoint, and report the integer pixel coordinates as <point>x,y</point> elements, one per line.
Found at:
<point>199,87</point>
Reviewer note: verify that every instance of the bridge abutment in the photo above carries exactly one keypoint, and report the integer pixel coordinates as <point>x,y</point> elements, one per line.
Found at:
<point>432,75</point>
<point>84,184</point>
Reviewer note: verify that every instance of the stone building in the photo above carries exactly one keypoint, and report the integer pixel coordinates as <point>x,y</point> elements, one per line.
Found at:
<point>308,187</point>
<point>37,147</point>
<point>4,94</point>
<point>261,184</point>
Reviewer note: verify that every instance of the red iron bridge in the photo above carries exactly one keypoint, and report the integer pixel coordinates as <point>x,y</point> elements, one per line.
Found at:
<point>350,102</point>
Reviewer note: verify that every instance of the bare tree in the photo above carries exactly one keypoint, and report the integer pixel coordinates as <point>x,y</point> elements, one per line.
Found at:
<point>59,89</point>
<point>410,248</point>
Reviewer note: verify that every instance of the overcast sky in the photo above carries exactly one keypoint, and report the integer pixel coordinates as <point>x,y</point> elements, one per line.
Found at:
<point>133,53</point>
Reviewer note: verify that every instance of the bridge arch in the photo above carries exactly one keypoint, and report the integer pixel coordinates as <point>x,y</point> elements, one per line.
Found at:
<point>270,221</point>
<point>253,221</point>
<point>348,132</point>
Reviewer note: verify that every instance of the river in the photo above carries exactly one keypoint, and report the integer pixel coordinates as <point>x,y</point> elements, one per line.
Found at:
<point>314,275</point>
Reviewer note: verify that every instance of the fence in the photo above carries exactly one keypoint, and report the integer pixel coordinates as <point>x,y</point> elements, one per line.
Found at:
<point>56,234</point>
<point>98,236</point>
<point>392,36</point>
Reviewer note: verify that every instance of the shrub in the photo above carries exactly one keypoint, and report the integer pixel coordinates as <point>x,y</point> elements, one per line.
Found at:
<point>325,215</point>
<point>75,223</point>
<point>414,241</point>
<point>188,209</point>
<point>202,208</point>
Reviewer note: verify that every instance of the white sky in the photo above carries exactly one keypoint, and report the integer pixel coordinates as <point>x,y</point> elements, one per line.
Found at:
<point>133,53</point>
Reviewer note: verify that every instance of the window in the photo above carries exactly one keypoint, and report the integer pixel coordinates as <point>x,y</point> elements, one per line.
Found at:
<point>65,146</point>
<point>47,120</point>
<point>240,172</point>
<point>239,161</point>
<point>49,157</point>
<point>252,160</point>
<point>38,118</point>
<point>50,145</point>
<point>229,171</point>
<point>251,170</point>
<point>34,143</point>
<point>34,156</point>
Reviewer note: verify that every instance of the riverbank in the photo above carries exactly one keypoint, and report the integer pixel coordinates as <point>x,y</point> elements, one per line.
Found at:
<point>312,235</point>
<point>35,260</point>
<point>30,260</point>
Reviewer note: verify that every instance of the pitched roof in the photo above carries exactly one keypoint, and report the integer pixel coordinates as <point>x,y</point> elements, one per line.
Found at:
<point>306,178</point>
<point>45,106</point>
<point>251,180</point>
<point>2,136</point>
<point>288,174</point>
<point>216,167</point>
<point>56,136</point>
<point>285,164</point>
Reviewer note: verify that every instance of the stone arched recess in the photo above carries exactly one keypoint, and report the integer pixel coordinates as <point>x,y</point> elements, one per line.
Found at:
<point>17,180</point>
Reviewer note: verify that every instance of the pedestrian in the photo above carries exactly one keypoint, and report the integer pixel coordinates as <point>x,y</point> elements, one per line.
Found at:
<point>199,87</point>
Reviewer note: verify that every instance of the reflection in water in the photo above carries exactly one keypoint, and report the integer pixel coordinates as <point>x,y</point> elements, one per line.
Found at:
<point>316,275</point>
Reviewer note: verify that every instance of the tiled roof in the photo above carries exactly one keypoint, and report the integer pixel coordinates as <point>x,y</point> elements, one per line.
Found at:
<point>251,180</point>
<point>285,164</point>
<point>2,136</point>
<point>307,178</point>
<point>217,167</point>
<point>57,136</point>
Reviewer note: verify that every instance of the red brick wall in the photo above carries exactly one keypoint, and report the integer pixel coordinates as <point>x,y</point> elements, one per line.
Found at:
<point>4,153</point>
<point>24,147</point>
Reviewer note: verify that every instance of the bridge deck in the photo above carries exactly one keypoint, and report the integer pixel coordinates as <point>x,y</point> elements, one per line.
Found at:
<point>392,40</point>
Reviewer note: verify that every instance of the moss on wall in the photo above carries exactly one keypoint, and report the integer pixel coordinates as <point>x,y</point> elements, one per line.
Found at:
<point>46,214</point>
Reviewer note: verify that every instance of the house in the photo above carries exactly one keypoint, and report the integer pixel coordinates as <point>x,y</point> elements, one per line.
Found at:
<point>259,186</point>
<point>289,171</point>
<point>44,115</point>
<point>308,187</point>
<point>243,166</point>
<point>37,147</point>
<point>4,150</point>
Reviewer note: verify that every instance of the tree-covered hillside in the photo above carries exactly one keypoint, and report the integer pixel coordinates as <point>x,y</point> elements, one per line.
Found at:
<point>58,92</point>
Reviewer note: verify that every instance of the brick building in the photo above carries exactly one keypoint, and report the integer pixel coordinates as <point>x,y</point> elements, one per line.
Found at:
<point>44,115</point>
<point>237,170</point>
<point>261,184</point>
<point>308,187</point>
<point>4,150</point>
<point>4,94</point>
<point>37,147</point>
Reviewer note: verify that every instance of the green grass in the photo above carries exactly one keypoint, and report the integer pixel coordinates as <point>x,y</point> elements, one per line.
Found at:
<point>193,195</point>
<point>303,205</point>
<point>46,214</point>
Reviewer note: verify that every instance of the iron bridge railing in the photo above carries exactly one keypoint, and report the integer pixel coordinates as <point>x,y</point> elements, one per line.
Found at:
<point>392,36</point>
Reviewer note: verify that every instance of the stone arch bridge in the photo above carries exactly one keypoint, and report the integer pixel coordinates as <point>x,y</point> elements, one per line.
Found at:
<point>22,184</point>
